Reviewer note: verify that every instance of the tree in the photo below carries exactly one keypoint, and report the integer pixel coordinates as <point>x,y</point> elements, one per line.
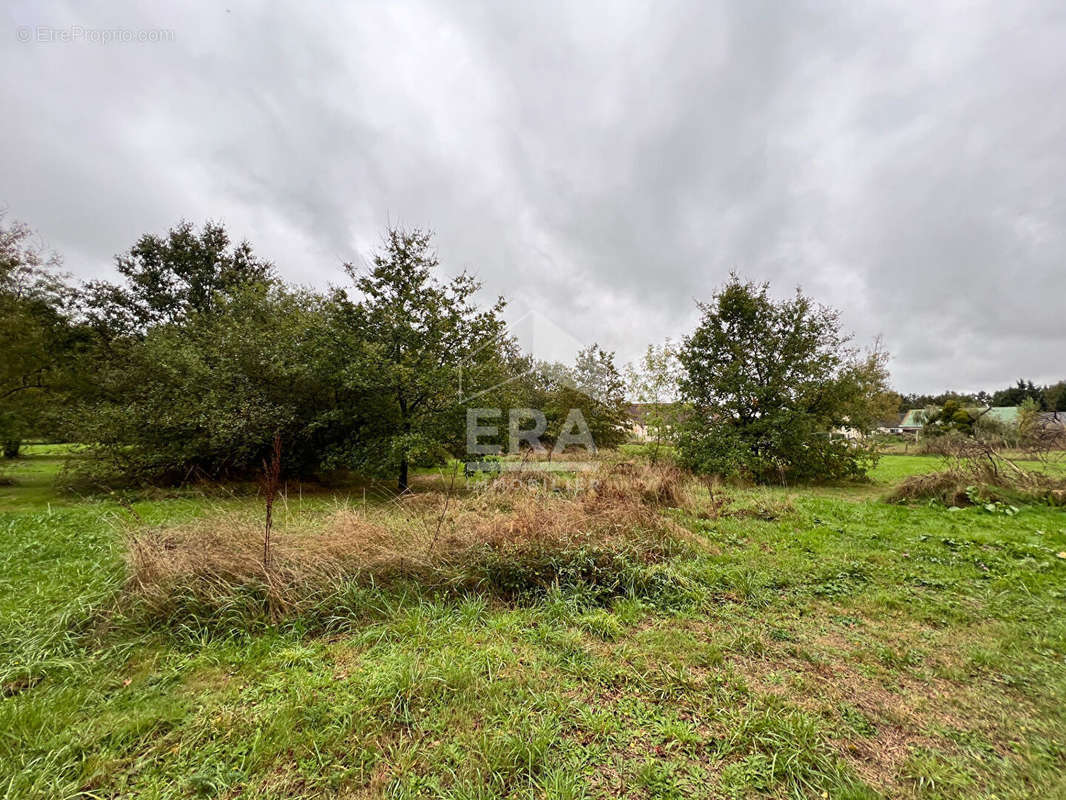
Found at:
<point>585,401</point>
<point>909,401</point>
<point>600,396</point>
<point>1017,394</point>
<point>953,416</point>
<point>37,338</point>
<point>206,397</point>
<point>653,383</point>
<point>1055,397</point>
<point>769,382</point>
<point>168,278</point>
<point>200,355</point>
<point>1028,421</point>
<point>419,346</point>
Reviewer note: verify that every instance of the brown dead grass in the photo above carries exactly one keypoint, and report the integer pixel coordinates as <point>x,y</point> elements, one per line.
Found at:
<point>509,537</point>
<point>991,480</point>
<point>658,485</point>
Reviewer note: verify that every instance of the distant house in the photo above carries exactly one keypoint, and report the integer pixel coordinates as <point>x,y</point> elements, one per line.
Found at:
<point>913,421</point>
<point>643,416</point>
<point>891,424</point>
<point>638,421</point>
<point>1005,415</point>
<point>846,432</point>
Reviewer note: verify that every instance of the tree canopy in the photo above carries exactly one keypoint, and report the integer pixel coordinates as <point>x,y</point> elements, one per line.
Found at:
<point>769,382</point>
<point>37,336</point>
<point>419,346</point>
<point>198,356</point>
<point>205,398</point>
<point>166,278</point>
<point>653,383</point>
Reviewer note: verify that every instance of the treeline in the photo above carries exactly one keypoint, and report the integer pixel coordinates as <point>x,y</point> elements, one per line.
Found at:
<point>199,356</point>
<point>1049,397</point>
<point>190,364</point>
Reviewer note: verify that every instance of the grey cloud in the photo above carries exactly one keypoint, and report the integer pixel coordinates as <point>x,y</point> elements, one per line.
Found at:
<point>610,162</point>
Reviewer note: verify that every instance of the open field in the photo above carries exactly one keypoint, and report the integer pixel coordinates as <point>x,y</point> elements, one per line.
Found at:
<point>823,643</point>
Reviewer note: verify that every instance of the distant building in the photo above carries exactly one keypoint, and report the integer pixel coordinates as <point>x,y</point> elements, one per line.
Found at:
<point>643,416</point>
<point>891,424</point>
<point>913,421</point>
<point>1005,415</point>
<point>846,432</point>
<point>638,421</point>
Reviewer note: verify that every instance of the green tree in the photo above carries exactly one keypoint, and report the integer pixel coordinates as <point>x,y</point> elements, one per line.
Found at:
<point>200,355</point>
<point>1028,422</point>
<point>601,396</point>
<point>1017,394</point>
<point>204,398</point>
<point>952,416</point>
<point>1055,397</point>
<point>166,278</point>
<point>421,351</point>
<point>586,397</point>
<point>769,382</point>
<point>37,337</point>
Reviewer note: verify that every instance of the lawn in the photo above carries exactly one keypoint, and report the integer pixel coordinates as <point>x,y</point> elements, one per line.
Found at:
<point>828,645</point>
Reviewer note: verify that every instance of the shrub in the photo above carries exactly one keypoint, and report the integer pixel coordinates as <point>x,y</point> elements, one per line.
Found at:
<point>204,399</point>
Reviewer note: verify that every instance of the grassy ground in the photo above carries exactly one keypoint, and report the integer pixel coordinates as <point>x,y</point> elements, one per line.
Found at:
<point>833,646</point>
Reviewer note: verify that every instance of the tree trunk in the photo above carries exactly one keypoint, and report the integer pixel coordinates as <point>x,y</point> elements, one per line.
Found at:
<point>11,448</point>
<point>401,485</point>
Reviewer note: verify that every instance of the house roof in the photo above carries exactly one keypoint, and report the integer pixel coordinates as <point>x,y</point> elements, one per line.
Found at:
<point>914,418</point>
<point>638,412</point>
<point>1008,415</point>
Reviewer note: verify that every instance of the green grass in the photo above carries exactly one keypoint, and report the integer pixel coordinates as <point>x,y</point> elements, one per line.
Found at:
<point>32,478</point>
<point>893,468</point>
<point>846,648</point>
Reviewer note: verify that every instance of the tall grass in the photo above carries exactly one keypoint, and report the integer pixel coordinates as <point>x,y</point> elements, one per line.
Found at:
<point>513,537</point>
<point>982,479</point>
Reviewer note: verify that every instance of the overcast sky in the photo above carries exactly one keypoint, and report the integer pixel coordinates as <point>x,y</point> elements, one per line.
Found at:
<point>605,163</point>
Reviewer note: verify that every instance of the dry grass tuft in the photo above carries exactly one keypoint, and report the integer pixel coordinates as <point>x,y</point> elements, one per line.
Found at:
<point>657,485</point>
<point>966,482</point>
<point>510,537</point>
<point>947,486</point>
